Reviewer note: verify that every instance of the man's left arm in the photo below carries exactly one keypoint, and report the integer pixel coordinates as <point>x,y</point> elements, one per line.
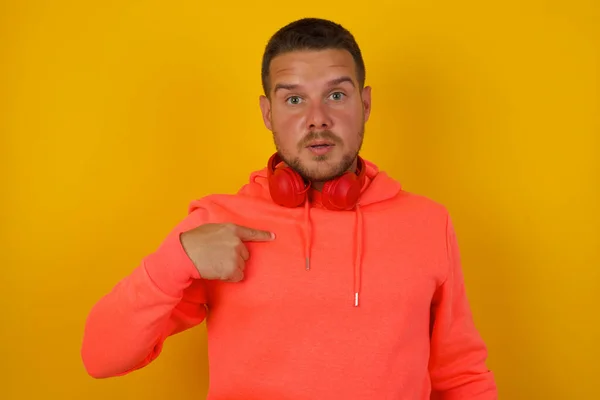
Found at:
<point>457,366</point>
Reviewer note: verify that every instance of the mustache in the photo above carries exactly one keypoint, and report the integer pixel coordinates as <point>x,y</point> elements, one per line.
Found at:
<point>323,135</point>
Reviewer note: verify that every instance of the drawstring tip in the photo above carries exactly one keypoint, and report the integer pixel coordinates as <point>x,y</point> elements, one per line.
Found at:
<point>307,263</point>
<point>356,299</point>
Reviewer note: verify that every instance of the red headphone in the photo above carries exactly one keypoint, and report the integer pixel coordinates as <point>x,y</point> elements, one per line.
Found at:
<point>288,189</point>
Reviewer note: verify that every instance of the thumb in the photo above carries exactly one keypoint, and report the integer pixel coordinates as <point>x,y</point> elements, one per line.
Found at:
<point>253,235</point>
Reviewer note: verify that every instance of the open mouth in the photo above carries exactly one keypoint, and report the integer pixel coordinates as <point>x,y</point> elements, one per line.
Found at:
<point>320,145</point>
<point>320,148</point>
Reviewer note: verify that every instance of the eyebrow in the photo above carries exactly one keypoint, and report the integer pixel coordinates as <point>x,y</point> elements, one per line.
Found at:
<point>333,82</point>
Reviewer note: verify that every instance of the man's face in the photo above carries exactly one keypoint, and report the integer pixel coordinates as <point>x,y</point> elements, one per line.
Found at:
<point>316,111</point>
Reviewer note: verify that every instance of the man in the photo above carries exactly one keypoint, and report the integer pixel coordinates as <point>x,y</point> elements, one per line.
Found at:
<point>321,278</point>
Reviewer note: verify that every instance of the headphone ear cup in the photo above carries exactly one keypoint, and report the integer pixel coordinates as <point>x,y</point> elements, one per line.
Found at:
<point>287,187</point>
<point>342,193</point>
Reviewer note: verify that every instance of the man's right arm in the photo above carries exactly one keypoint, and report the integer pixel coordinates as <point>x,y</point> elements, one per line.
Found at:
<point>125,330</point>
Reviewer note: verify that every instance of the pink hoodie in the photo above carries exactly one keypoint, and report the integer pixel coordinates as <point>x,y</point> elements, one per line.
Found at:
<point>361,304</point>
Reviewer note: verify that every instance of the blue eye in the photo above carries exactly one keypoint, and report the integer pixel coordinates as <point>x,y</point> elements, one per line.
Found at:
<point>293,99</point>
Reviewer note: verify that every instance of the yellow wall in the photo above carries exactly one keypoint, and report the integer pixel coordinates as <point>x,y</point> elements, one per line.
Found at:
<point>114,116</point>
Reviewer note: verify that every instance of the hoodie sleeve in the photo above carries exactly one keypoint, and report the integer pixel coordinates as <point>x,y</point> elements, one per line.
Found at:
<point>164,295</point>
<point>458,354</point>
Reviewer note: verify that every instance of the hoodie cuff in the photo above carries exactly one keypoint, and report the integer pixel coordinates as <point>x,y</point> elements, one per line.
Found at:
<point>170,268</point>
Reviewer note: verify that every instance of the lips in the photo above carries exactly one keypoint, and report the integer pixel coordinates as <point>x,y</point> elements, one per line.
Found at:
<point>318,144</point>
<point>320,147</point>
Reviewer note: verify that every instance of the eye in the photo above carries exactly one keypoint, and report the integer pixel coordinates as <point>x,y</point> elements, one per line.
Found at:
<point>337,96</point>
<point>293,100</point>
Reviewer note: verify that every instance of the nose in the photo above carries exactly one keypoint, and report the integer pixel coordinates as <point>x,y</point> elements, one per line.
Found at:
<point>318,117</point>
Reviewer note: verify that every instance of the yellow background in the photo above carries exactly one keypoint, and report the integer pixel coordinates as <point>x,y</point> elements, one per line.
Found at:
<point>114,115</point>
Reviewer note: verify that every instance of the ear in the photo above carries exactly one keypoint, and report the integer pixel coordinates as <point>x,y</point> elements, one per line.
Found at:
<point>265,108</point>
<point>366,100</point>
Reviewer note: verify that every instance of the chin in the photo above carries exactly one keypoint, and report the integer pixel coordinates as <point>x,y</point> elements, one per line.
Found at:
<point>319,167</point>
<point>322,168</point>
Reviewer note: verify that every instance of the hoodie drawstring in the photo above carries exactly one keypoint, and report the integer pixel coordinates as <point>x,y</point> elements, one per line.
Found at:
<point>307,233</point>
<point>358,232</point>
<point>358,246</point>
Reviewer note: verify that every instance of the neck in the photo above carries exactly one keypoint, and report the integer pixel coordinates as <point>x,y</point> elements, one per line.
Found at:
<point>318,186</point>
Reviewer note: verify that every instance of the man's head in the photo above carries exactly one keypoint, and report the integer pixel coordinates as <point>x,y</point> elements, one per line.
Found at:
<point>315,101</point>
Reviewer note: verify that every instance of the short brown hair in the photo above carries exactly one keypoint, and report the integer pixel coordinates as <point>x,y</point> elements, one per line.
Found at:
<point>311,34</point>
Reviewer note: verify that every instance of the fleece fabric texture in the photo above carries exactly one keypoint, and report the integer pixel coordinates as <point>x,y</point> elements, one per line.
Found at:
<point>362,304</point>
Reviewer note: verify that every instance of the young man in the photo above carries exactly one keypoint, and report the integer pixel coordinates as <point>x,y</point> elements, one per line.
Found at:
<point>321,278</point>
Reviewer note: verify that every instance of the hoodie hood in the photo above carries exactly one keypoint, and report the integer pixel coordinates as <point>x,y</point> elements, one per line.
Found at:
<point>378,187</point>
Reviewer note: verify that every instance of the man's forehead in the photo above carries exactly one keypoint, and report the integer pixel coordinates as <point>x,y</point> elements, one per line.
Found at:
<point>312,58</point>
<point>313,66</point>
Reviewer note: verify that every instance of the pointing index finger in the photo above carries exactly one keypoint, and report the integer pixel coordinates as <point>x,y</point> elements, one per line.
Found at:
<point>253,235</point>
